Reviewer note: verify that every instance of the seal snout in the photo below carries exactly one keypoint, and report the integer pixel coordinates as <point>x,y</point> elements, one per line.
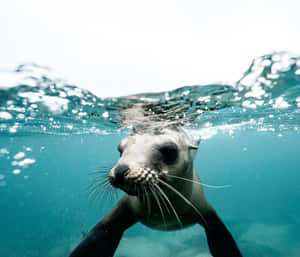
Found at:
<point>131,177</point>
<point>121,171</point>
<point>119,174</point>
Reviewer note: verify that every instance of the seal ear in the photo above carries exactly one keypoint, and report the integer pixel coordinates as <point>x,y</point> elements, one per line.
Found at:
<point>196,141</point>
<point>193,150</point>
<point>193,145</point>
<point>193,140</point>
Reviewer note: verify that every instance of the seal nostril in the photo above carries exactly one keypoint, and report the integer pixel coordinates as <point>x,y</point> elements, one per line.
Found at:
<point>120,172</point>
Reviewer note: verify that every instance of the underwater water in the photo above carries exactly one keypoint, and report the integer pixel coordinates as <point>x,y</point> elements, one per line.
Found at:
<point>53,135</point>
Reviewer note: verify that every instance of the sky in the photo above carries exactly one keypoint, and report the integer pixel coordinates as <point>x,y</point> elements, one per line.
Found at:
<point>118,47</point>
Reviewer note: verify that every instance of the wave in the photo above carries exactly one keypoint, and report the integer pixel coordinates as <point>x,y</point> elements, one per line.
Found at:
<point>266,98</point>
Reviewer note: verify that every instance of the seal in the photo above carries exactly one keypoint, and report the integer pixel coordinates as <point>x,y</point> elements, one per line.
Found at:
<point>163,191</point>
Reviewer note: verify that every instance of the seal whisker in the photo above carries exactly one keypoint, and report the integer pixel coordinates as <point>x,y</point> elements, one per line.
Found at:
<point>111,190</point>
<point>98,179</point>
<point>171,205</point>
<point>104,167</point>
<point>184,198</point>
<point>153,190</point>
<point>144,200</point>
<point>115,194</point>
<point>101,187</point>
<point>148,202</point>
<point>103,195</point>
<point>138,193</point>
<point>99,171</point>
<point>108,195</point>
<point>162,199</point>
<point>197,182</point>
<point>94,193</point>
<point>94,186</point>
<point>142,197</point>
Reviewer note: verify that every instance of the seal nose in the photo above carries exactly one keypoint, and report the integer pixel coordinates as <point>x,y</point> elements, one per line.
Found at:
<point>120,172</point>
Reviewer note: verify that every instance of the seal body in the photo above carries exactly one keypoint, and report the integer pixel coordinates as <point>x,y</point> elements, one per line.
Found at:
<point>164,192</point>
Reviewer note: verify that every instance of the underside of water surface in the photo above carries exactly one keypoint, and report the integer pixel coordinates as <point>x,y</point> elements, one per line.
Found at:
<point>53,135</point>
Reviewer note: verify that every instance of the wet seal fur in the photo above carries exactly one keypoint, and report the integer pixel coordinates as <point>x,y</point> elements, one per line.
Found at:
<point>163,192</point>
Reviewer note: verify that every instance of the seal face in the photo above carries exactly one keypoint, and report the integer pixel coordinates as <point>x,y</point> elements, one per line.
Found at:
<point>156,171</point>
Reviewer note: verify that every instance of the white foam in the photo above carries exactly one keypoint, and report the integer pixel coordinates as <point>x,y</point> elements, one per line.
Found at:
<point>19,155</point>
<point>280,103</point>
<point>16,171</point>
<point>4,151</point>
<point>105,115</point>
<point>26,162</point>
<point>56,105</point>
<point>5,116</point>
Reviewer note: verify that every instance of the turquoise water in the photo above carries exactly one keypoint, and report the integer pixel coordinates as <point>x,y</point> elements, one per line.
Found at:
<point>53,135</point>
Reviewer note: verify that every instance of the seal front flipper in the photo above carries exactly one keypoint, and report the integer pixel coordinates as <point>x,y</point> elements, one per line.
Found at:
<point>98,243</point>
<point>220,240</point>
<point>103,239</point>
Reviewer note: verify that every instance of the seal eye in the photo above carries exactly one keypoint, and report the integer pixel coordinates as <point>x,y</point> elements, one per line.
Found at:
<point>169,152</point>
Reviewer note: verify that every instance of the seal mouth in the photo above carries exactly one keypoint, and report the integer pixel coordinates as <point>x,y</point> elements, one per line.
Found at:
<point>136,180</point>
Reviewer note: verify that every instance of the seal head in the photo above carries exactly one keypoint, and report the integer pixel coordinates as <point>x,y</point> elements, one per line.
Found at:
<point>144,158</point>
<point>156,170</point>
